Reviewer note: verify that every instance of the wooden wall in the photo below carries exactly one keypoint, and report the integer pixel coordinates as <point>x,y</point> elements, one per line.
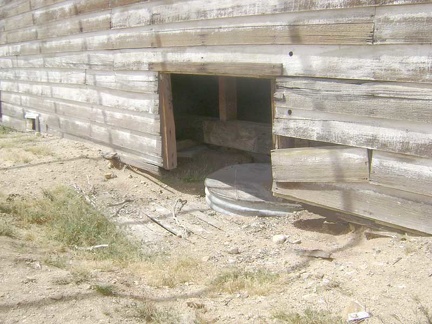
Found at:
<point>354,72</point>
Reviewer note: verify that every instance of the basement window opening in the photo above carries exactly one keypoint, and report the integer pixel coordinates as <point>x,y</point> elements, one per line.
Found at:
<point>223,112</point>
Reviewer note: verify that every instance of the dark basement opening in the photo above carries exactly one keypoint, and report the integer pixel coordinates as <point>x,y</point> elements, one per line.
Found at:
<point>197,116</point>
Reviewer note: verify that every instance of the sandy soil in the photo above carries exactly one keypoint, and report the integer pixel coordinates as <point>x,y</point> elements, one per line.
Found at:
<point>389,277</point>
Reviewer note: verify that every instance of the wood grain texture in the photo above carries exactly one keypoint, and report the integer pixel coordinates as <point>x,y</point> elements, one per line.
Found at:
<point>320,164</point>
<point>154,13</point>
<point>232,69</point>
<point>168,130</point>
<point>404,24</point>
<point>242,135</point>
<point>227,98</point>
<point>143,82</point>
<point>402,172</point>
<point>395,101</point>
<point>14,8</point>
<point>413,139</point>
<point>391,207</point>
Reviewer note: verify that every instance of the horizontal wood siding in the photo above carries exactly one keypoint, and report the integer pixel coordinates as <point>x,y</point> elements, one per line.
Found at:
<point>351,72</point>
<point>320,164</point>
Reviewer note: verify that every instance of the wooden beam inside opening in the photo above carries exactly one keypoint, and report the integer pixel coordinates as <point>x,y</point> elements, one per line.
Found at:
<point>168,132</point>
<point>227,98</point>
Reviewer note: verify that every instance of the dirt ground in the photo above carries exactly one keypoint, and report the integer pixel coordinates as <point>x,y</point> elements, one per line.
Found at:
<point>388,277</point>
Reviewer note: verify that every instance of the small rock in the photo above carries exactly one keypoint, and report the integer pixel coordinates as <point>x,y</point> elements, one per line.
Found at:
<point>279,239</point>
<point>109,175</point>
<point>234,250</point>
<point>295,242</point>
<point>205,259</point>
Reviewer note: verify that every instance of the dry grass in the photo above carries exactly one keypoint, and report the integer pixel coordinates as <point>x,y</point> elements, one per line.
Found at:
<point>149,313</point>
<point>259,282</point>
<point>66,218</point>
<point>39,150</point>
<point>6,227</point>
<point>308,317</point>
<point>171,271</point>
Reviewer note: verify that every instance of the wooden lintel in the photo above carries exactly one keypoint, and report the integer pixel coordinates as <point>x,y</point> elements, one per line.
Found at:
<point>169,150</point>
<point>220,68</point>
<point>227,98</point>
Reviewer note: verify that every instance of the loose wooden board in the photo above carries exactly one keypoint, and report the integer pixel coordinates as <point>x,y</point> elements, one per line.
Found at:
<point>405,138</point>
<point>402,172</point>
<point>320,164</point>
<point>387,206</point>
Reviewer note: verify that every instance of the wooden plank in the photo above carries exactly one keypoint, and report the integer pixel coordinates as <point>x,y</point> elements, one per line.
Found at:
<point>404,24</point>
<point>21,35</point>
<point>320,164</point>
<point>36,4</point>
<point>402,172</point>
<point>227,98</point>
<point>360,33</point>
<point>119,3</point>
<point>19,21</point>
<point>242,135</point>
<point>219,68</point>
<point>403,137</point>
<point>387,206</point>
<point>158,13</point>
<point>129,101</point>
<point>399,101</point>
<point>18,124</point>
<point>66,9</point>
<point>143,82</point>
<point>75,25</point>
<point>168,131</point>
<point>14,8</point>
<point>146,145</point>
<point>46,75</point>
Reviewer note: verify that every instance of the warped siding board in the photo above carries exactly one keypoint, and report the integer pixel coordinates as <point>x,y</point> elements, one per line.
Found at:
<point>39,75</point>
<point>76,25</point>
<point>6,63</point>
<point>406,138</point>
<point>13,111</point>
<point>139,102</point>
<point>67,9</point>
<point>399,101</point>
<point>320,164</point>
<point>36,4</point>
<point>322,17</point>
<point>143,123</point>
<point>149,124</point>
<point>18,124</point>
<point>75,44</point>
<point>379,63</point>
<point>401,172</point>
<point>404,24</point>
<point>29,102</point>
<point>146,147</point>
<point>158,13</point>
<point>242,135</point>
<point>232,69</point>
<point>387,206</point>
<point>144,82</point>
<point>119,3</point>
<point>275,35</point>
<point>14,8</point>
<point>20,21</point>
<point>21,35</point>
